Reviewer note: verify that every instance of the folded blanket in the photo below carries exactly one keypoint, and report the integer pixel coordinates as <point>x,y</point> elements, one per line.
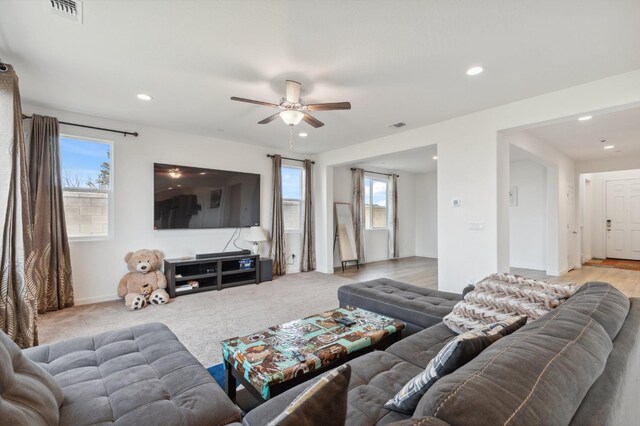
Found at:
<point>501,296</point>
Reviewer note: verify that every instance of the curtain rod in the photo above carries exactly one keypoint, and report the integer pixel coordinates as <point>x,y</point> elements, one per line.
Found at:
<point>24,117</point>
<point>287,158</point>
<point>378,173</point>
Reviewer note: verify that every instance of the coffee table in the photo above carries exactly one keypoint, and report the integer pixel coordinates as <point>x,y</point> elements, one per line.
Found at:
<point>278,358</point>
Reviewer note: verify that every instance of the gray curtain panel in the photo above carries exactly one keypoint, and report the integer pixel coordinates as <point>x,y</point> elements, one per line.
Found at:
<point>278,249</point>
<point>51,245</point>
<point>18,289</point>
<point>308,260</point>
<point>393,218</point>
<point>359,223</point>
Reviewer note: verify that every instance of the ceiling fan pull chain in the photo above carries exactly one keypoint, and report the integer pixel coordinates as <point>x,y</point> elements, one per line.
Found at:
<point>291,137</point>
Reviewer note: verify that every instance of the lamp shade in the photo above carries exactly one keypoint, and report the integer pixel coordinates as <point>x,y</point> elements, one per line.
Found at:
<point>291,117</point>
<point>254,234</point>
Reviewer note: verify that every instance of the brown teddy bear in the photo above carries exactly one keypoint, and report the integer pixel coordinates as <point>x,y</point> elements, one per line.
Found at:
<point>145,283</point>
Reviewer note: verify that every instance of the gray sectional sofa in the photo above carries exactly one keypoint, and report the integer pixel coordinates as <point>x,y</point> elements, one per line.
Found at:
<point>141,375</point>
<point>578,364</point>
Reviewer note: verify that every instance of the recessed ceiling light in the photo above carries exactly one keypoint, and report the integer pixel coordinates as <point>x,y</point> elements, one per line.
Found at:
<point>585,118</point>
<point>608,147</point>
<point>178,186</point>
<point>474,70</point>
<point>303,134</point>
<point>144,97</point>
<point>203,173</point>
<point>435,157</point>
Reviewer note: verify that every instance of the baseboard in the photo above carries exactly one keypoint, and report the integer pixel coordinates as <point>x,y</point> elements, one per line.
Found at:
<point>557,273</point>
<point>90,300</point>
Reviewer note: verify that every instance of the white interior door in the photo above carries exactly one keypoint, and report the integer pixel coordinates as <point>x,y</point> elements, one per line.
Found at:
<point>572,232</point>
<point>623,219</point>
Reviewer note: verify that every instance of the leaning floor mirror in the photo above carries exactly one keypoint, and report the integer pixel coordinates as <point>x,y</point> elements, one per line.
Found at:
<point>345,235</point>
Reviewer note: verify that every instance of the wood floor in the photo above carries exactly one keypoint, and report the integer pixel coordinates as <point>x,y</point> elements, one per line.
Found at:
<point>423,272</point>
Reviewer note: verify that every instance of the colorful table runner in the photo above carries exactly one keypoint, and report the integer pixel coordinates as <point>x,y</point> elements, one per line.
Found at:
<point>285,351</point>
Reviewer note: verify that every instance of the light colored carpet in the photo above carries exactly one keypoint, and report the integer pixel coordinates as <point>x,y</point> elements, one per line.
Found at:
<point>201,321</point>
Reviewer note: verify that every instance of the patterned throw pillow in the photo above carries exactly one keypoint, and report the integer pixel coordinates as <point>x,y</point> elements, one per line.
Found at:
<point>501,296</point>
<point>460,350</point>
<point>323,403</point>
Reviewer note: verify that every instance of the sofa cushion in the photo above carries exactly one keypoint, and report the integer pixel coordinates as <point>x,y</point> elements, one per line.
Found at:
<point>138,375</point>
<point>613,398</point>
<point>460,350</point>
<point>322,403</point>
<point>375,377</point>
<point>602,302</point>
<point>537,375</point>
<point>420,348</point>
<point>28,394</point>
<point>415,305</point>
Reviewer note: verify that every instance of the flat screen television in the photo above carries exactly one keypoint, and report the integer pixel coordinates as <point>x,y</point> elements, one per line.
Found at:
<point>196,198</point>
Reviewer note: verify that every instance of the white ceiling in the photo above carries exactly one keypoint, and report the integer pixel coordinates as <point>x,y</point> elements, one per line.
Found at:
<point>413,161</point>
<point>395,61</point>
<point>582,140</point>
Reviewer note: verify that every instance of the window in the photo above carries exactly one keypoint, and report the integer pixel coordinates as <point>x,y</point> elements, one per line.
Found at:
<point>292,198</point>
<point>375,203</point>
<point>87,187</point>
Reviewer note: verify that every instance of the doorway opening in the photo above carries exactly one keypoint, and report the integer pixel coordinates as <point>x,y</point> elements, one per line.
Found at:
<point>611,219</point>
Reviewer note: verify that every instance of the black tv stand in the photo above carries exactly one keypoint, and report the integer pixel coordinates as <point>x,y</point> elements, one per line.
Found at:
<point>214,272</point>
<point>222,254</point>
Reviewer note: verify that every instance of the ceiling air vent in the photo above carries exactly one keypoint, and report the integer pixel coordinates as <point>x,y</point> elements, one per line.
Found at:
<point>397,125</point>
<point>70,9</point>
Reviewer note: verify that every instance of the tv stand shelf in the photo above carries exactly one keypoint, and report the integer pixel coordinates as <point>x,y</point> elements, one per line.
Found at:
<point>211,273</point>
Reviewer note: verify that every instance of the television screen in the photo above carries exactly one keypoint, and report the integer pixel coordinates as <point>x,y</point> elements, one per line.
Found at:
<point>195,198</point>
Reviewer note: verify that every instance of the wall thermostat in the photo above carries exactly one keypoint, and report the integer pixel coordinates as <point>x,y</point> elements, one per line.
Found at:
<point>456,202</point>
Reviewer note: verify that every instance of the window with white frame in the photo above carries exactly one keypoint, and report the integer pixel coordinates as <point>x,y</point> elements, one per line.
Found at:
<point>87,180</point>
<point>376,202</point>
<point>292,198</point>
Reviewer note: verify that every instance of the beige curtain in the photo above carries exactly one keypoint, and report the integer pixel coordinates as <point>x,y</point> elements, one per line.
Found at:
<point>18,303</point>
<point>393,218</point>
<point>308,260</point>
<point>51,245</point>
<point>278,249</point>
<point>359,223</point>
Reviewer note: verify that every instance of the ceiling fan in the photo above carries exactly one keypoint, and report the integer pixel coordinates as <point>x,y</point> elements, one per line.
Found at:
<point>292,108</point>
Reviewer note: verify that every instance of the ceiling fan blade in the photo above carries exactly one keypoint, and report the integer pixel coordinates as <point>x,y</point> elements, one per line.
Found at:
<point>313,121</point>
<point>251,101</point>
<point>269,119</point>
<point>329,106</point>
<point>293,91</point>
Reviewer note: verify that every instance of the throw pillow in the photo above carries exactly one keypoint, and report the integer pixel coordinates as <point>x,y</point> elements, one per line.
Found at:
<point>28,394</point>
<point>501,296</point>
<point>460,350</point>
<point>323,403</point>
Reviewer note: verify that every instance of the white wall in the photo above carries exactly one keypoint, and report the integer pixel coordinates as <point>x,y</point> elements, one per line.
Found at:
<point>609,165</point>
<point>377,240</point>
<point>528,219</point>
<point>597,224</point>
<point>468,169</point>
<point>427,214</point>
<point>98,265</point>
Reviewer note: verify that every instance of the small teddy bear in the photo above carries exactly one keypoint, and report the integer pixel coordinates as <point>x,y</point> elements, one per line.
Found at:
<point>145,283</point>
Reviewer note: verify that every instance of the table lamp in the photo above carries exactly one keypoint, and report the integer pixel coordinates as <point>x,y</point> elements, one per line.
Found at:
<point>254,235</point>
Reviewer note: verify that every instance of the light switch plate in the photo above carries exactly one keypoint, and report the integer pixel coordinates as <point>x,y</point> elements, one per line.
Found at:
<point>456,202</point>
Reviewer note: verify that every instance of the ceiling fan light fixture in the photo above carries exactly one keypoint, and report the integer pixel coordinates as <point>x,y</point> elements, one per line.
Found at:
<point>175,173</point>
<point>291,117</point>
